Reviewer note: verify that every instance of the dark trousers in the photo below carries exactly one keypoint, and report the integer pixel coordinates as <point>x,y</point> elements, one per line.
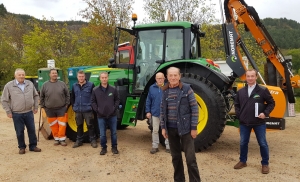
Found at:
<point>88,118</point>
<point>186,143</point>
<point>20,121</point>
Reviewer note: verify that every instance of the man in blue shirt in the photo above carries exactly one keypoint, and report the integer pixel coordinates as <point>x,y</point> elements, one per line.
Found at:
<point>153,111</point>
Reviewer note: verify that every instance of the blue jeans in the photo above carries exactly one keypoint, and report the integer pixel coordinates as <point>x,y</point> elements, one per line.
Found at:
<point>20,121</point>
<point>260,132</point>
<point>112,123</point>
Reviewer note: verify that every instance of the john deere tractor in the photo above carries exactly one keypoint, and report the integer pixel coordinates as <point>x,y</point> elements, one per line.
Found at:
<point>155,48</point>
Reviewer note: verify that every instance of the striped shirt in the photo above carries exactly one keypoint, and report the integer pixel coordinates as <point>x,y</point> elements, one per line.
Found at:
<point>172,110</point>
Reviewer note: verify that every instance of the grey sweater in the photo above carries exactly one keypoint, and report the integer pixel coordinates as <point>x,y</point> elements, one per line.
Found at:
<point>54,95</point>
<point>15,100</point>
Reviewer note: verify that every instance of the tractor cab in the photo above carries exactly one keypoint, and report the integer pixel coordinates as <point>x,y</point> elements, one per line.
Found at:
<point>154,48</point>
<point>155,45</point>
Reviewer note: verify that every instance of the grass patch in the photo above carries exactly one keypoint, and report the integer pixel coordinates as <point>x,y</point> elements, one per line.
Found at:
<point>297,104</point>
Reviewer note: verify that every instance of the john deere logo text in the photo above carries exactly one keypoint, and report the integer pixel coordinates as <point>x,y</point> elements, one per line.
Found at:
<point>256,96</point>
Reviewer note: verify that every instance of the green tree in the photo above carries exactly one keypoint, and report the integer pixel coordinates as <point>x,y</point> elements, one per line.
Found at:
<point>46,42</point>
<point>11,47</point>
<point>212,45</point>
<point>188,10</point>
<point>295,53</point>
<point>97,38</point>
<point>3,10</point>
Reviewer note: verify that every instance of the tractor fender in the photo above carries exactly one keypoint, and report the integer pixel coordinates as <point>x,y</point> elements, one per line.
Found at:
<point>219,79</point>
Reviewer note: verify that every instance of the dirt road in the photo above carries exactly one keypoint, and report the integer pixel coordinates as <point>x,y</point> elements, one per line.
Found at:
<point>136,164</point>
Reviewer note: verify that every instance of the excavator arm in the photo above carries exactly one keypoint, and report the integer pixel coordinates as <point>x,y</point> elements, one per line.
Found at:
<point>238,12</point>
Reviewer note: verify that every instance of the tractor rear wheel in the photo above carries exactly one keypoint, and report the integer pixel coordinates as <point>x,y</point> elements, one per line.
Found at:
<point>212,110</point>
<point>71,131</point>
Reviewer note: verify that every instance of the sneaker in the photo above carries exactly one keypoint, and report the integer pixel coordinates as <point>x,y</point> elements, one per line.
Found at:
<point>56,142</point>
<point>265,169</point>
<point>94,144</point>
<point>168,151</point>
<point>22,151</point>
<point>114,150</point>
<point>63,143</point>
<point>240,165</point>
<point>77,144</point>
<point>153,150</point>
<point>36,149</point>
<point>103,151</point>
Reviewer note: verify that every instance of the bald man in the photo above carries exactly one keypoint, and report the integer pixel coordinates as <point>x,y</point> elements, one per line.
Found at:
<point>153,111</point>
<point>20,101</point>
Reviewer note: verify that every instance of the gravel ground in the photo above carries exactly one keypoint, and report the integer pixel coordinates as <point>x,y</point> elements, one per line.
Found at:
<point>135,163</point>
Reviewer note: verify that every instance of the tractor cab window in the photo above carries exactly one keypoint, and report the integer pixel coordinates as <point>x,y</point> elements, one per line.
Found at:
<point>123,57</point>
<point>149,51</point>
<point>174,44</point>
<point>194,48</point>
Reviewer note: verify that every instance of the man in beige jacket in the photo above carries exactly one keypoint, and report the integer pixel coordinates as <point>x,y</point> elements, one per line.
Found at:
<point>20,100</point>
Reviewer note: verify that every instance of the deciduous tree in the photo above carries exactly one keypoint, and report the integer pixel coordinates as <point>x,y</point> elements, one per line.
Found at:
<point>98,37</point>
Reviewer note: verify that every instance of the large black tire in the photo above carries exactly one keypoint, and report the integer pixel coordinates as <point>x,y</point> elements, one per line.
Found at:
<point>71,131</point>
<point>212,110</point>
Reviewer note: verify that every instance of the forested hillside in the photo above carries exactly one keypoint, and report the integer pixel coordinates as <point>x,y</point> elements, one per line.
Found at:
<point>286,33</point>
<point>28,42</point>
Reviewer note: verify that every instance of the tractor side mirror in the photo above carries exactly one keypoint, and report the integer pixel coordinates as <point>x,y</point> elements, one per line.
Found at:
<point>111,62</point>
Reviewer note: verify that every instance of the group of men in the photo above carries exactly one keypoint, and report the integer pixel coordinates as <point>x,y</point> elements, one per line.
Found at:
<point>170,105</point>
<point>20,100</point>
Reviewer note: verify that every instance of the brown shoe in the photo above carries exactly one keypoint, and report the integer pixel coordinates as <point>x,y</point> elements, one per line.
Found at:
<point>36,149</point>
<point>265,169</point>
<point>22,151</point>
<point>63,143</point>
<point>56,142</point>
<point>240,165</point>
<point>153,150</point>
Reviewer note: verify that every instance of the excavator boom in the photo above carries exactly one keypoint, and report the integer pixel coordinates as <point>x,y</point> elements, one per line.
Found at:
<point>238,12</point>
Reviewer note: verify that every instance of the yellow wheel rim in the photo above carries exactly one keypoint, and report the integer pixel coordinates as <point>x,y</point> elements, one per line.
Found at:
<point>203,114</point>
<point>72,121</point>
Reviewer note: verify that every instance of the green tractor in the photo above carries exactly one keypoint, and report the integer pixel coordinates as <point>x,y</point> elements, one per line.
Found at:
<point>175,44</point>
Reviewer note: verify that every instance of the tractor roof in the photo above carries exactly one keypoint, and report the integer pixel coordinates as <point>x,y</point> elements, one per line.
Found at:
<point>183,24</point>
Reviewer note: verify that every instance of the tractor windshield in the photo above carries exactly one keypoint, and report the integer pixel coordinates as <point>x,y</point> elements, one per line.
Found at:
<point>152,51</point>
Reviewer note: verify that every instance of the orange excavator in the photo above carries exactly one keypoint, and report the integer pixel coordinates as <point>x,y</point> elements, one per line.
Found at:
<point>278,70</point>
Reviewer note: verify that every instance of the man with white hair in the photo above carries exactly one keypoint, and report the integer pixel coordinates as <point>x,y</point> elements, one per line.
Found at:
<point>20,101</point>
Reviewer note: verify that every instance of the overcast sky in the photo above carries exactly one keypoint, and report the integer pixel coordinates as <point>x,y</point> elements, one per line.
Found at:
<point>61,10</point>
